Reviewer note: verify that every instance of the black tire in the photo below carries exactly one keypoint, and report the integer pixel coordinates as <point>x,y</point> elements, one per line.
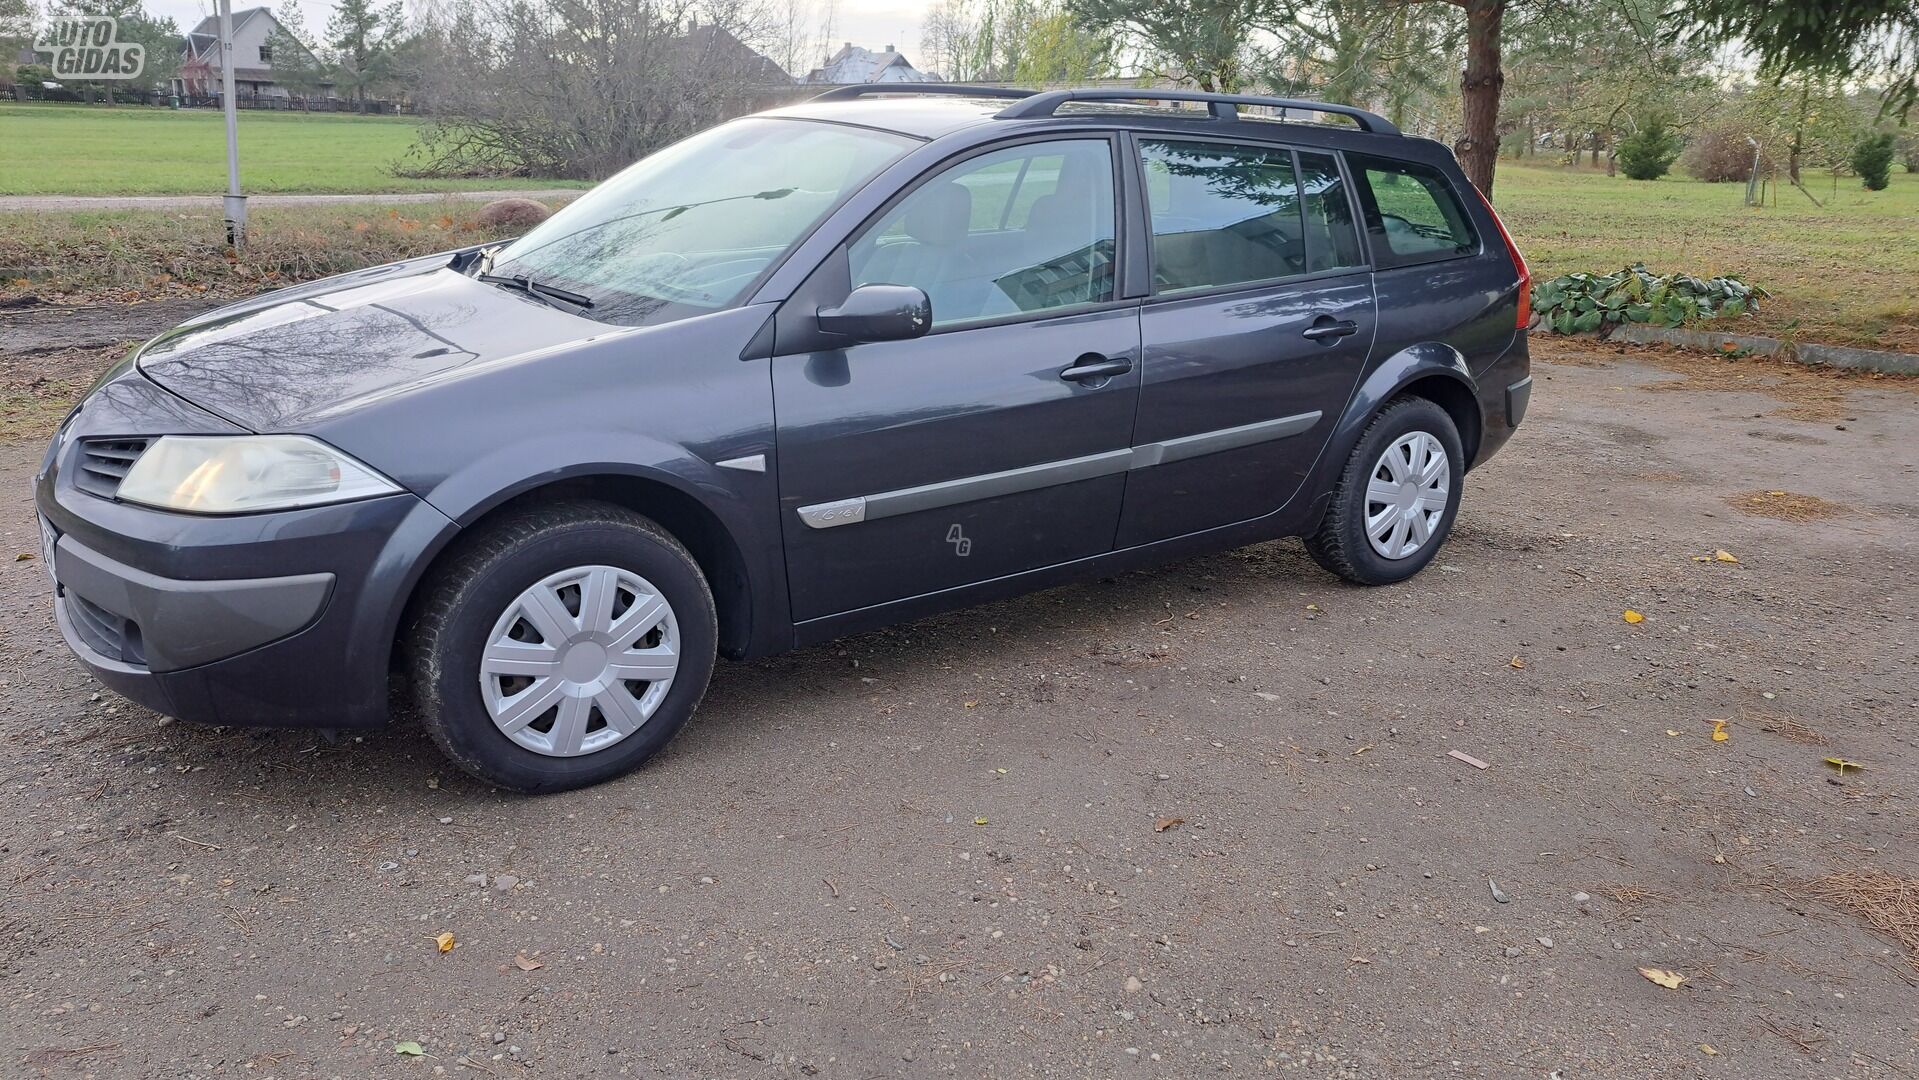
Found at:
<point>465,595</point>
<point>1340,544</point>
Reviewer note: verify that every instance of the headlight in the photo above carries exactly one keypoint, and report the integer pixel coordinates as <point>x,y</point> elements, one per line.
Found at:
<point>246,473</point>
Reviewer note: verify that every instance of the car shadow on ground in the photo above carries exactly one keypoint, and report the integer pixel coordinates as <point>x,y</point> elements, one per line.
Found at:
<point>1116,620</point>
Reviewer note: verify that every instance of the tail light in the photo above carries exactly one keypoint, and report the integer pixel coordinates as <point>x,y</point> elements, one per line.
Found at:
<point>1519,264</point>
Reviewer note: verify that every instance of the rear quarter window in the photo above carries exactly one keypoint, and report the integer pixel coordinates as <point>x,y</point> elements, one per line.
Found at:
<point>1412,212</point>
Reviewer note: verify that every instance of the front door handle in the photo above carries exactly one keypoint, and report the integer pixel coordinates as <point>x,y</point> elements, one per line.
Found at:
<point>1326,328</point>
<point>1096,368</point>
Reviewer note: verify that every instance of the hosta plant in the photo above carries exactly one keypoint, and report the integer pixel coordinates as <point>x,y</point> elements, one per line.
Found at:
<point>1579,303</point>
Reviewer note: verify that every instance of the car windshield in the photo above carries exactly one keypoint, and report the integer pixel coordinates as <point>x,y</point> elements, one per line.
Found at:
<point>688,229</point>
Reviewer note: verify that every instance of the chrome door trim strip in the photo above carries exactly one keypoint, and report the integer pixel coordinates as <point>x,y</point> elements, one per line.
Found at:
<point>1167,451</point>
<point>911,500</point>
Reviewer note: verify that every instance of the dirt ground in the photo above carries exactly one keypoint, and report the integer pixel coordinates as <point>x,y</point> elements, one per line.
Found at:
<point>1196,821</point>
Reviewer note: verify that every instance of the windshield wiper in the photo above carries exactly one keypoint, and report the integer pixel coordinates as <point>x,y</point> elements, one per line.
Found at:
<point>538,290</point>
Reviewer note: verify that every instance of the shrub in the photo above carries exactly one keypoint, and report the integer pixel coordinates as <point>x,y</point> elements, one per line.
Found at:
<point>1872,160</point>
<point>1577,303</point>
<point>33,76</point>
<point>1648,153</point>
<point>521,214</point>
<point>1720,155</point>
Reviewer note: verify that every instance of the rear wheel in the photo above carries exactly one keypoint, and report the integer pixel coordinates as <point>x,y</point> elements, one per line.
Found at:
<point>563,647</point>
<point>1394,502</point>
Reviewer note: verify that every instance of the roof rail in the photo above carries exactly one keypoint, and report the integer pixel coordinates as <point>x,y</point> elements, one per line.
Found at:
<point>1220,106</point>
<point>859,90</point>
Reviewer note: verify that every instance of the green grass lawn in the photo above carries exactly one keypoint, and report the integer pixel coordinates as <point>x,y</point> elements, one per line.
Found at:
<point>1846,273</point>
<point>55,149</point>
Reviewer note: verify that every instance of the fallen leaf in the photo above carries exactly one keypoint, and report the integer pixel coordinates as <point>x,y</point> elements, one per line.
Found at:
<point>25,556</point>
<point>1633,617</point>
<point>1670,731</point>
<point>1468,759</point>
<point>979,821</point>
<point>445,941</point>
<point>1842,764</point>
<point>1517,663</point>
<point>1719,732</point>
<point>1722,555</point>
<point>1168,823</point>
<point>410,1049</point>
<point>526,963</point>
<point>1671,980</point>
<point>1706,1049</point>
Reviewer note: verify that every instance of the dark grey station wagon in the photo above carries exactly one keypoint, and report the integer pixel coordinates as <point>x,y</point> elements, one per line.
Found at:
<point>820,369</point>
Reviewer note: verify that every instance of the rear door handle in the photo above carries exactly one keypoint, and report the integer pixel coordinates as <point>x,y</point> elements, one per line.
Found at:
<point>1325,328</point>
<point>1096,368</point>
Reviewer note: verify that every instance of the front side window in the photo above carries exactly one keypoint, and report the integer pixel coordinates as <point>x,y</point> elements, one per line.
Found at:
<point>1024,229</point>
<point>1415,216</point>
<point>687,230</point>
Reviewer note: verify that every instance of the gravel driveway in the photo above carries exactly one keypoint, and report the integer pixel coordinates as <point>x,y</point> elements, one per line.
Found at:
<point>1190,822</point>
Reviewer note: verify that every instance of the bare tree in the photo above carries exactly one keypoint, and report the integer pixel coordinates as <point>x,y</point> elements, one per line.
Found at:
<point>583,88</point>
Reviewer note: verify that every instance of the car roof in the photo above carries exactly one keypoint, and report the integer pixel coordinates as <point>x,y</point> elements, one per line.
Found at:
<point>924,117</point>
<point>931,111</point>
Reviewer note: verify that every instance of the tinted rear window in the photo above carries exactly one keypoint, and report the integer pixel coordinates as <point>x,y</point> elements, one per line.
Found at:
<point>1412,212</point>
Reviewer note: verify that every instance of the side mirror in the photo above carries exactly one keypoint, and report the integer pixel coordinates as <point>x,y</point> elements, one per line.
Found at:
<point>879,313</point>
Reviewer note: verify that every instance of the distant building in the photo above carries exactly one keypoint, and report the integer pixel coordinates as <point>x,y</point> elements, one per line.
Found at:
<point>254,39</point>
<point>853,64</point>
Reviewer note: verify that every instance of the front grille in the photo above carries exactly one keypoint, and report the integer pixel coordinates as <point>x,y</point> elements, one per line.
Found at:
<point>104,463</point>
<point>104,632</point>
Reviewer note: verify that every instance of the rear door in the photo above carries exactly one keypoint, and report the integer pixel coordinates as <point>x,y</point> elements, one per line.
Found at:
<point>998,442</point>
<point>1258,327</point>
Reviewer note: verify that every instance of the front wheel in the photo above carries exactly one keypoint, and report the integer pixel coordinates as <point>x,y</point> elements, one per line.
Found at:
<point>563,647</point>
<point>1394,503</point>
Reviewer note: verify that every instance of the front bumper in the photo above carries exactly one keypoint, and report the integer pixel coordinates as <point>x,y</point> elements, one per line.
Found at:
<point>282,619</point>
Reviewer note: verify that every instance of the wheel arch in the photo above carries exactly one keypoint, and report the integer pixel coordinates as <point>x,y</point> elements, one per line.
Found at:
<point>664,500</point>
<point>1432,370</point>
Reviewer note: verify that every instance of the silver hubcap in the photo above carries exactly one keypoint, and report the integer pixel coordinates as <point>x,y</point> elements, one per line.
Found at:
<point>1406,495</point>
<point>579,661</point>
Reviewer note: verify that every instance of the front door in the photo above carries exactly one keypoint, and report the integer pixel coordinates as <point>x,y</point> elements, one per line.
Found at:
<point>1258,328</point>
<point>999,441</point>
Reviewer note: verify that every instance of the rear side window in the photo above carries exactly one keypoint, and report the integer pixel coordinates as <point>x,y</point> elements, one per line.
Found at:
<point>1222,214</point>
<point>1412,213</point>
<point>1332,241</point>
<point>1227,214</point>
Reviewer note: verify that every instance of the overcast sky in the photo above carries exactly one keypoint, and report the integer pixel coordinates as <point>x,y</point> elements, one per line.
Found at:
<point>871,23</point>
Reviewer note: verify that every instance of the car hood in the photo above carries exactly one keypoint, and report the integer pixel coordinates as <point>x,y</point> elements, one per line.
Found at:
<point>285,361</point>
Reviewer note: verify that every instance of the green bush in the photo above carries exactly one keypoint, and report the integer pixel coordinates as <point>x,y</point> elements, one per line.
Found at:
<point>1648,153</point>
<point>1579,303</point>
<point>1872,160</point>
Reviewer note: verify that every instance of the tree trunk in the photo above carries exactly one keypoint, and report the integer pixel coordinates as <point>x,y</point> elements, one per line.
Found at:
<point>1799,136</point>
<point>1479,87</point>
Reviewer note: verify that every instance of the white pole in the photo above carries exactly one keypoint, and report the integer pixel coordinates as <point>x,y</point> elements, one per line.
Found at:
<point>236,203</point>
